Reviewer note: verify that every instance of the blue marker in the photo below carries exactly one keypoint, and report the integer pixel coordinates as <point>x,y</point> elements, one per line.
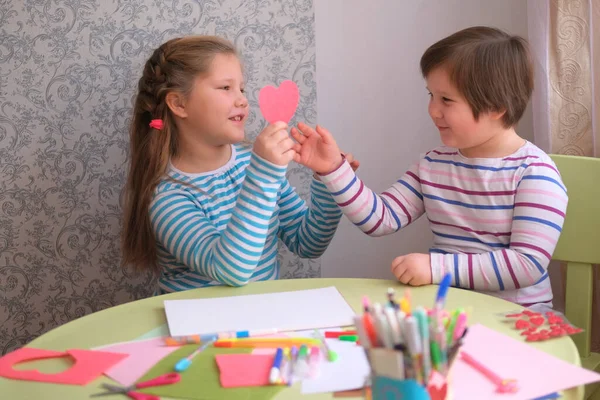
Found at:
<point>185,363</point>
<point>275,375</point>
<point>440,299</point>
<point>439,333</point>
<point>548,396</point>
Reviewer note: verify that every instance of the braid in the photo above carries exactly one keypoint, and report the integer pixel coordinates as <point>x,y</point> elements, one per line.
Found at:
<point>153,84</point>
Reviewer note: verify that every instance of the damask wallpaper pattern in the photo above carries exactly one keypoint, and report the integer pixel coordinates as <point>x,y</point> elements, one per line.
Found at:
<point>68,71</point>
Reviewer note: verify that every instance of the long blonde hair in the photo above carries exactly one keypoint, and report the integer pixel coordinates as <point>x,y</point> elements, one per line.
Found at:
<point>172,67</point>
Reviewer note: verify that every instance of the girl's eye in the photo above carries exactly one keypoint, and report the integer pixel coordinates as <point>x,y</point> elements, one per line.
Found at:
<point>243,90</point>
<point>446,99</point>
<point>226,87</point>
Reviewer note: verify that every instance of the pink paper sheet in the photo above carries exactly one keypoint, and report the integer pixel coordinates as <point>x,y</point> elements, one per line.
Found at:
<point>244,370</point>
<point>88,365</point>
<point>537,372</point>
<point>143,355</point>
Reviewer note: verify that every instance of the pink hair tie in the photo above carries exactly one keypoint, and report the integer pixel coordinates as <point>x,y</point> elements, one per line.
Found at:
<point>157,124</point>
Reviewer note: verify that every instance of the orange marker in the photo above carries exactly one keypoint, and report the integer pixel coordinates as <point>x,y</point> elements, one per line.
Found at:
<point>368,323</point>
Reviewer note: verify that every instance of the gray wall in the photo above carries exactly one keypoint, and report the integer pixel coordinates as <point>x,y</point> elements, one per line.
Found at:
<point>373,99</point>
<point>68,72</point>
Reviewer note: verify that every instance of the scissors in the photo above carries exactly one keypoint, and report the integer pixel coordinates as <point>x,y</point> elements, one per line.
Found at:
<point>167,379</point>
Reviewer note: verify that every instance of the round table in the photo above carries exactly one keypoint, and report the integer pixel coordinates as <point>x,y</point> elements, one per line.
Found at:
<point>128,321</point>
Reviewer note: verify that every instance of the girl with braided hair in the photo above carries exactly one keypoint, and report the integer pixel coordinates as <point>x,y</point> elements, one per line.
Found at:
<point>202,206</point>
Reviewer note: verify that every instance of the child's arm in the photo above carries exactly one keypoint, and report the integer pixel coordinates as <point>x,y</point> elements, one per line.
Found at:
<point>539,212</point>
<point>376,215</point>
<point>306,231</point>
<point>229,256</point>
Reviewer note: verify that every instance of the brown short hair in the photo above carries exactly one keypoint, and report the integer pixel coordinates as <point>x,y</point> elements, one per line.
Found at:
<point>490,68</point>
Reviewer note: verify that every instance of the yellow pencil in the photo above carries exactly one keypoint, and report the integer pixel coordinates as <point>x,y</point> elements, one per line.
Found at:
<point>265,342</point>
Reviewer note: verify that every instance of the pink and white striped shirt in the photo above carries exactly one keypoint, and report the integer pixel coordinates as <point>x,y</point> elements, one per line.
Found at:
<point>495,221</point>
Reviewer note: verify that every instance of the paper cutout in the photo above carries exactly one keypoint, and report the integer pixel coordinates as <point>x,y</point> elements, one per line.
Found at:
<point>143,354</point>
<point>537,328</point>
<point>321,308</point>
<point>279,104</point>
<point>88,365</point>
<point>244,370</point>
<point>538,372</point>
<point>203,373</point>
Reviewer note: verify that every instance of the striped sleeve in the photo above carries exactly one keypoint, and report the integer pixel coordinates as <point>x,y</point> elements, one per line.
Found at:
<point>376,215</point>
<point>539,212</point>
<point>229,256</point>
<point>306,231</point>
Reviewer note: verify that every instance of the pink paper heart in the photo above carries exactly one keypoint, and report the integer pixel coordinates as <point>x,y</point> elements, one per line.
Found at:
<point>279,104</point>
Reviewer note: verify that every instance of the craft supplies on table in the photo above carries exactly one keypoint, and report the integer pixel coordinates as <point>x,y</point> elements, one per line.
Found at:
<point>167,379</point>
<point>410,349</point>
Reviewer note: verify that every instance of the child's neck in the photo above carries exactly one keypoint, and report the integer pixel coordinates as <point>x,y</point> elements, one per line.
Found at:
<point>502,144</point>
<point>200,159</point>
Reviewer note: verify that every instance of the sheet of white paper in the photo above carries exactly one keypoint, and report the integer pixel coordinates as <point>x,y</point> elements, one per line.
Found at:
<point>348,372</point>
<point>286,311</point>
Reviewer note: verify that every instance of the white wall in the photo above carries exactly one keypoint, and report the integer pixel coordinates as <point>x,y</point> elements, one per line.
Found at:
<point>372,97</point>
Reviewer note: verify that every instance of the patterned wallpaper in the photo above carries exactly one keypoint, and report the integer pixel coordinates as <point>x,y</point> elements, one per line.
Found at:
<point>68,70</point>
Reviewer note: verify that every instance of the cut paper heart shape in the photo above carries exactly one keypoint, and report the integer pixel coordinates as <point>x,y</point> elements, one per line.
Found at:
<point>279,104</point>
<point>88,365</point>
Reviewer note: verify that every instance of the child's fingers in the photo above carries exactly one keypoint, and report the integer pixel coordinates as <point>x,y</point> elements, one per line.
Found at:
<point>405,276</point>
<point>297,157</point>
<point>297,148</point>
<point>325,135</point>
<point>396,266</point>
<point>298,137</point>
<point>306,130</point>
<point>287,144</point>
<point>274,128</point>
<point>289,155</point>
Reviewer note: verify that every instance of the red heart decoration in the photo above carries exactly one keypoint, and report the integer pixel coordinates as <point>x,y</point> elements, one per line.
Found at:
<point>533,338</point>
<point>522,324</point>
<point>537,320</point>
<point>279,104</point>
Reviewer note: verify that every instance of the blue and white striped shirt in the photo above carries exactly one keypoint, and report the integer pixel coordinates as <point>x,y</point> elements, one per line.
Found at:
<point>221,227</point>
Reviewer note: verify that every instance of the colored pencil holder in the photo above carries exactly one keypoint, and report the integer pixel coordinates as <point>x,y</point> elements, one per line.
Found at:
<point>386,384</point>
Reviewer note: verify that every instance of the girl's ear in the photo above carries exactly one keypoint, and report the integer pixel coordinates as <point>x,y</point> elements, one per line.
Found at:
<point>176,103</point>
<point>496,115</point>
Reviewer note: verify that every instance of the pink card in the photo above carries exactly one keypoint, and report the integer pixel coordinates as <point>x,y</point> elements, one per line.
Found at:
<point>538,373</point>
<point>88,365</point>
<point>279,104</point>
<point>143,355</point>
<point>244,370</point>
